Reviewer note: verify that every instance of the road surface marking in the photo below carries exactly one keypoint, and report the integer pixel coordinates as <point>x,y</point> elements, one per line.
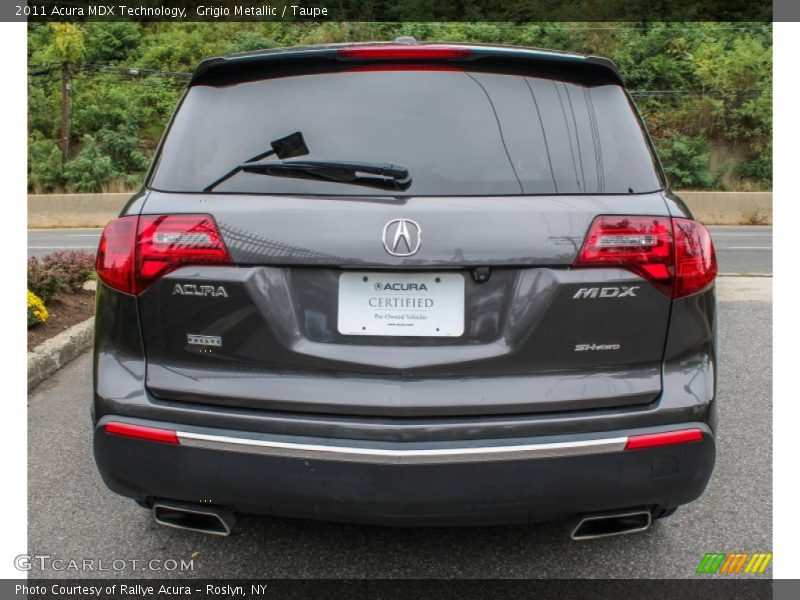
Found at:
<point>762,234</point>
<point>746,248</point>
<point>58,247</point>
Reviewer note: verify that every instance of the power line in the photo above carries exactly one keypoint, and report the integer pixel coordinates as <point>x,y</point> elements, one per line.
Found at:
<point>42,71</point>
<point>140,82</point>
<point>41,68</point>
<point>136,71</point>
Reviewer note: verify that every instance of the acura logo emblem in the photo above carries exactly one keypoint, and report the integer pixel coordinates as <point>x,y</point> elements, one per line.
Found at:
<point>402,237</point>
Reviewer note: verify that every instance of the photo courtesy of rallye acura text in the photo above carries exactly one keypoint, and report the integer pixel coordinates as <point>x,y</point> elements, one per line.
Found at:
<point>406,284</point>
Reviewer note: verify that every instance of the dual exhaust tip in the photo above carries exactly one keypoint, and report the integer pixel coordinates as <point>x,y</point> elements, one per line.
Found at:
<point>213,520</point>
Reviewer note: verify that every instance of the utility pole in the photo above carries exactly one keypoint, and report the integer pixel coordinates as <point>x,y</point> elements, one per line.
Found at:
<point>64,112</point>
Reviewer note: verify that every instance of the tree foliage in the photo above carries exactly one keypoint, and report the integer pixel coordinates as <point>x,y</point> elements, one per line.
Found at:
<point>88,171</point>
<point>685,161</point>
<point>67,44</point>
<point>713,81</point>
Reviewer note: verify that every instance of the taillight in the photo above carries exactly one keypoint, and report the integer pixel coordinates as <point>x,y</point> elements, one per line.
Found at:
<point>115,255</point>
<point>674,255</point>
<point>135,251</point>
<point>639,244</point>
<point>167,242</point>
<point>402,52</point>
<point>695,260</point>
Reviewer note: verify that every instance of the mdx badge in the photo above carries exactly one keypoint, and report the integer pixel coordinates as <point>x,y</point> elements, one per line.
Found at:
<point>402,237</point>
<point>191,289</point>
<point>607,292</point>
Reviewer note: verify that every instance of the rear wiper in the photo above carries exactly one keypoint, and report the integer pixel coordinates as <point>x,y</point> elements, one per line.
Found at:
<point>386,176</point>
<point>286,147</point>
<point>378,175</point>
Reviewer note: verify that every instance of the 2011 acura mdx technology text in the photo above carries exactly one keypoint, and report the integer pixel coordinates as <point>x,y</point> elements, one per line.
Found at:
<point>406,283</point>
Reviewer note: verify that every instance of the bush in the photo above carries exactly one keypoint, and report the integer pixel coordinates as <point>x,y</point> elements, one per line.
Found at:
<point>44,164</point>
<point>37,313</point>
<point>91,169</point>
<point>758,167</point>
<point>43,281</point>
<point>122,146</point>
<point>107,42</point>
<point>72,268</point>
<point>686,162</point>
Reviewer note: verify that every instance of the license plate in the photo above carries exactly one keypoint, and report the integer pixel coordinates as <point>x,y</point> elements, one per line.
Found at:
<point>401,304</point>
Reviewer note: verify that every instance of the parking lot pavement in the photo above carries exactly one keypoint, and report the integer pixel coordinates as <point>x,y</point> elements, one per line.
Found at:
<point>71,515</point>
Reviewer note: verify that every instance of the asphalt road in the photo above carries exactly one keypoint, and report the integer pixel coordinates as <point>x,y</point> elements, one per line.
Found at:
<point>71,515</point>
<point>742,250</point>
<point>42,242</point>
<point>745,250</point>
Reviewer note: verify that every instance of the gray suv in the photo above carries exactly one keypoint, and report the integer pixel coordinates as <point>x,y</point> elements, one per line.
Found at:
<point>405,283</point>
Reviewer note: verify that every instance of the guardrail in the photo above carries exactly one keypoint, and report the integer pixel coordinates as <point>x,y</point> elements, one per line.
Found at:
<point>47,211</point>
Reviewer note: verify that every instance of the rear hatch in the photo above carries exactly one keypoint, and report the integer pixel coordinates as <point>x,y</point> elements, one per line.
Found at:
<point>453,291</point>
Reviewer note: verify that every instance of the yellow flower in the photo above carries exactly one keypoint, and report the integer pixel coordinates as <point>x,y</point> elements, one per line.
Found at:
<point>37,313</point>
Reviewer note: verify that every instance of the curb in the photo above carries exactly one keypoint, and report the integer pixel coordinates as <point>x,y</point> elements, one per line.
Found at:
<point>49,356</point>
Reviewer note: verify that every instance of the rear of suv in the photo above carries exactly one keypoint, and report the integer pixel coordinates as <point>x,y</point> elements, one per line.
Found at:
<point>406,284</point>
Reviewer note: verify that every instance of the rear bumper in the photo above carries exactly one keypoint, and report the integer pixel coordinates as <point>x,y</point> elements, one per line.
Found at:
<point>406,483</point>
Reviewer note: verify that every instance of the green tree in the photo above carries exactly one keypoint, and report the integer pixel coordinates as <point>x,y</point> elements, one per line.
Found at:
<point>685,160</point>
<point>111,42</point>
<point>91,169</point>
<point>67,42</point>
<point>45,172</point>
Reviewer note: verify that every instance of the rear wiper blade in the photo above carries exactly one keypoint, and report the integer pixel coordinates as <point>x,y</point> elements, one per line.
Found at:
<point>286,147</point>
<point>384,175</point>
<point>383,169</point>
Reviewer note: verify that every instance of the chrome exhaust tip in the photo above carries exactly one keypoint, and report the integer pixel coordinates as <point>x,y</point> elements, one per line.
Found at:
<point>604,525</point>
<point>194,517</point>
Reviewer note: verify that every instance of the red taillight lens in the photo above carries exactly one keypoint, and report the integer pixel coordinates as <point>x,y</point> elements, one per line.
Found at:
<point>135,251</point>
<point>675,255</point>
<point>695,260</point>
<point>404,52</point>
<point>667,438</point>
<point>153,434</point>
<point>166,242</point>
<point>639,244</point>
<point>115,255</point>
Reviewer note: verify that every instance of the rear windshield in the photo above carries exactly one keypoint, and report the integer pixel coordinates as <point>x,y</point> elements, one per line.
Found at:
<point>458,133</point>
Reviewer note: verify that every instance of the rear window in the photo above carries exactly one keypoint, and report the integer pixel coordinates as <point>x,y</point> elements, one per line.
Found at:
<point>458,133</point>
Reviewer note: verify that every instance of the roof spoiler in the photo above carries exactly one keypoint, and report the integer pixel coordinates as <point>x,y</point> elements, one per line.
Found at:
<point>256,65</point>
